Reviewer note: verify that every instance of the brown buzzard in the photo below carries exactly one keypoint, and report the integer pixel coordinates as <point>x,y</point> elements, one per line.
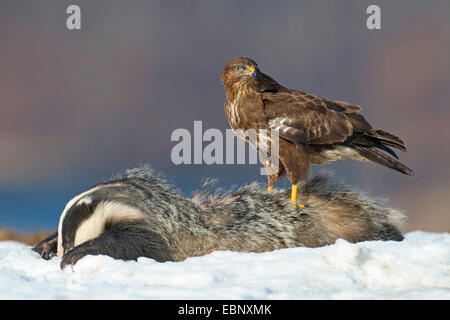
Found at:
<point>311,130</point>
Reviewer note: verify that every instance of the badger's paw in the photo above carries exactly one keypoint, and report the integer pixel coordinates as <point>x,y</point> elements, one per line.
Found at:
<point>47,247</point>
<point>72,256</point>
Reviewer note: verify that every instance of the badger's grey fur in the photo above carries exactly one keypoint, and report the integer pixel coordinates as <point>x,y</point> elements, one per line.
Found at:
<point>138,214</point>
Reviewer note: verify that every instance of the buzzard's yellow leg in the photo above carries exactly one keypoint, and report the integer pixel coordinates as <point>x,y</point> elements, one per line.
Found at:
<point>294,196</point>
<point>269,188</point>
<point>294,193</point>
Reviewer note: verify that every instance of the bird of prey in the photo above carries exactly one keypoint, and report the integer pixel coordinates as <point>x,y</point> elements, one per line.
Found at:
<point>311,130</point>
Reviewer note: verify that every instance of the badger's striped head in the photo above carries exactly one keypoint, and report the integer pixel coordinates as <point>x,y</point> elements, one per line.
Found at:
<point>85,216</point>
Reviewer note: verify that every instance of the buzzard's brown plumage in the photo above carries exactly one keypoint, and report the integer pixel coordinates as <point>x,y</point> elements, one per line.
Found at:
<point>311,129</point>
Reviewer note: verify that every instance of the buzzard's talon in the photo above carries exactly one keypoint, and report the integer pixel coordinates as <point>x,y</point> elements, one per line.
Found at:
<point>269,188</point>
<point>294,196</point>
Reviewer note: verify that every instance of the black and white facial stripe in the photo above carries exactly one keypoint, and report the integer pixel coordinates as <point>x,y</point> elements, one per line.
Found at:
<point>78,214</point>
<point>85,216</point>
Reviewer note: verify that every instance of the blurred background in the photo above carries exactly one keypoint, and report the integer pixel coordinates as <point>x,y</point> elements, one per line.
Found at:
<point>79,106</point>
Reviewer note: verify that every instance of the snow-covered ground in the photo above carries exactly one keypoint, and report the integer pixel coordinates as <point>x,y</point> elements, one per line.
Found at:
<point>416,268</point>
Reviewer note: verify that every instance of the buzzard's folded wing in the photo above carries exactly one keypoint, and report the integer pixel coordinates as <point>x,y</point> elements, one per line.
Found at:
<point>304,118</point>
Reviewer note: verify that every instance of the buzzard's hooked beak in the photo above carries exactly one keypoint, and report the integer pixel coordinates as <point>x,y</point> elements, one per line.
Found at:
<point>252,72</point>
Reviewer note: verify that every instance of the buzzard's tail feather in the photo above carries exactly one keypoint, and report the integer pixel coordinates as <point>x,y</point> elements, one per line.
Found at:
<point>379,157</point>
<point>390,140</point>
<point>387,149</point>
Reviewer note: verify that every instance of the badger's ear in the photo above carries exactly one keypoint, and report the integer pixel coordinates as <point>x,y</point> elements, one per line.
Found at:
<point>47,246</point>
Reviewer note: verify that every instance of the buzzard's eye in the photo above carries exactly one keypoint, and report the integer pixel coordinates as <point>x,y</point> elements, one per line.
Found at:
<point>238,68</point>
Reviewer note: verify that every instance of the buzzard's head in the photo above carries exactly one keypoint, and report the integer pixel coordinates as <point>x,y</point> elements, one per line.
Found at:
<point>239,70</point>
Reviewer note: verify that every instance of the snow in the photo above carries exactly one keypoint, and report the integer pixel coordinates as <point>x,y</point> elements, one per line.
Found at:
<point>416,268</point>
